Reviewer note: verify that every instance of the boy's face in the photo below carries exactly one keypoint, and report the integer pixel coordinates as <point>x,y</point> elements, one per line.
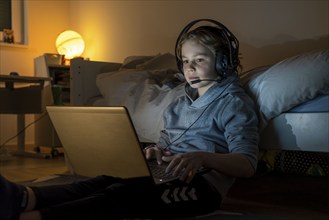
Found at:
<point>198,64</point>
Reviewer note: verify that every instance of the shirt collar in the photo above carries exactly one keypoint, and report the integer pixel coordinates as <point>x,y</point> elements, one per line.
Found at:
<point>217,90</point>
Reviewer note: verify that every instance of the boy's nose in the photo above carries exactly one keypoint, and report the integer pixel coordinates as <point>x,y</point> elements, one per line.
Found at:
<point>191,66</point>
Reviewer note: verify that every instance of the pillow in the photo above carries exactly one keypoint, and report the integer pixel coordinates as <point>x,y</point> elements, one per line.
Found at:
<point>161,61</point>
<point>145,95</point>
<point>295,80</point>
<point>132,61</point>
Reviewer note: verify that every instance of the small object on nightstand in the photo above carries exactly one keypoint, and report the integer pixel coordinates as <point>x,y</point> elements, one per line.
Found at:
<point>13,74</point>
<point>54,59</point>
<point>8,36</point>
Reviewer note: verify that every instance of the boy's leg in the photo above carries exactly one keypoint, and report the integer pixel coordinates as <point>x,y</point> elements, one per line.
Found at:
<point>15,198</point>
<point>95,206</point>
<point>127,198</point>
<point>183,200</point>
<point>141,198</point>
<point>117,201</point>
<point>53,195</point>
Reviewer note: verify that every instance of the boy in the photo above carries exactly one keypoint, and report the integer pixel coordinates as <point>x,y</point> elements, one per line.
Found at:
<point>213,126</point>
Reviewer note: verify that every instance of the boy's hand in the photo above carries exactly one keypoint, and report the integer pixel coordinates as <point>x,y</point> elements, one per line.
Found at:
<point>186,164</point>
<point>154,152</point>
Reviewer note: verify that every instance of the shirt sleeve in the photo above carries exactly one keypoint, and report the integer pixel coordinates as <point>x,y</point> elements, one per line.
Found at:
<point>240,123</point>
<point>164,141</point>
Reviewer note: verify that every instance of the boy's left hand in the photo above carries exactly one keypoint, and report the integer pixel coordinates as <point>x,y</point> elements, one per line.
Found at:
<point>154,152</point>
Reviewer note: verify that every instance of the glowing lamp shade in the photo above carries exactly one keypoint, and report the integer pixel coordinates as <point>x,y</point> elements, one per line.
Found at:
<point>70,44</point>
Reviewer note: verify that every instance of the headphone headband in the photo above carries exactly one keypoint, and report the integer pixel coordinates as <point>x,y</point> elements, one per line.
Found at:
<point>233,43</point>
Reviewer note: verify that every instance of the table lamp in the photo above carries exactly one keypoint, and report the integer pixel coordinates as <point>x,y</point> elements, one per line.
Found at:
<point>70,44</point>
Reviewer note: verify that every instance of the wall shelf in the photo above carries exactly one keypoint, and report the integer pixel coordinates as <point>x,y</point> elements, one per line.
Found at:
<point>3,44</point>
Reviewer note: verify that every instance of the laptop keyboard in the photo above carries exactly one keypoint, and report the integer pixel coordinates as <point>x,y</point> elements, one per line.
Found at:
<point>159,171</point>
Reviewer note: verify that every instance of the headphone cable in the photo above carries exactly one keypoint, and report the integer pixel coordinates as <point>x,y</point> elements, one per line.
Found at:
<point>23,130</point>
<point>203,111</point>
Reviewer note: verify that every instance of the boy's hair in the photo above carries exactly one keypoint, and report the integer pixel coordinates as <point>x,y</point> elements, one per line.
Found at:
<point>227,61</point>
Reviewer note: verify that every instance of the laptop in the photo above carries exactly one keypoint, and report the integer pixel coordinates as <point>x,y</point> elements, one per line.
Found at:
<point>101,141</point>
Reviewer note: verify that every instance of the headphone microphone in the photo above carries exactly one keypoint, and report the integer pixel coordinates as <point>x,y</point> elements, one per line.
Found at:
<point>201,80</point>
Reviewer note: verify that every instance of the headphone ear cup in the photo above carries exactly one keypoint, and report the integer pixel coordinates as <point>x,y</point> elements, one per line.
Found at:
<point>221,65</point>
<point>225,66</point>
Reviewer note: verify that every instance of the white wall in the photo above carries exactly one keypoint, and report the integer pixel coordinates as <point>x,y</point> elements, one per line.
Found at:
<point>267,30</point>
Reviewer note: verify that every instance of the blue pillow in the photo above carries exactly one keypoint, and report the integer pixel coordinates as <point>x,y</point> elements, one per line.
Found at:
<point>288,83</point>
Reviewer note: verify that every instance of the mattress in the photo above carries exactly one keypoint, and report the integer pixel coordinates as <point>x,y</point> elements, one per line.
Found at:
<point>318,104</point>
<point>297,131</point>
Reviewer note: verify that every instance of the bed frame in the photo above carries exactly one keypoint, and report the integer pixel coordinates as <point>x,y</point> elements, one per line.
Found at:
<point>288,131</point>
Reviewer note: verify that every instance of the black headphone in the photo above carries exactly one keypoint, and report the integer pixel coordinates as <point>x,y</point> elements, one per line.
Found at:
<point>225,63</point>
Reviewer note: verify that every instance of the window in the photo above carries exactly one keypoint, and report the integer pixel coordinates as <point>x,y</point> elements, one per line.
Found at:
<point>5,14</point>
<point>13,16</point>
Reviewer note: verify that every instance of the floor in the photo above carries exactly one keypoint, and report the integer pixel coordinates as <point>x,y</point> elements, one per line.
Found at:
<point>280,196</point>
<point>20,169</point>
<point>262,197</point>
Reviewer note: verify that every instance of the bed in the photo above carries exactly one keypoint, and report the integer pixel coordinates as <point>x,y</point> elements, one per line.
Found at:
<point>292,95</point>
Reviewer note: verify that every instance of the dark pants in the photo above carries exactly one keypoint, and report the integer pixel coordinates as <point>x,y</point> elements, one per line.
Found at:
<point>107,197</point>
